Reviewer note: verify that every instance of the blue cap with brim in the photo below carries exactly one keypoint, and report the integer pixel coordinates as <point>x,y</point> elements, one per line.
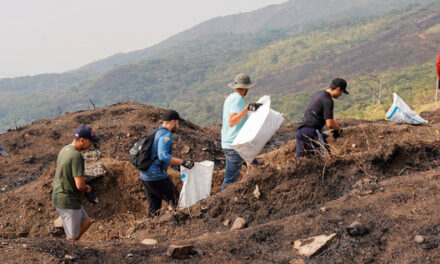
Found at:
<point>86,132</point>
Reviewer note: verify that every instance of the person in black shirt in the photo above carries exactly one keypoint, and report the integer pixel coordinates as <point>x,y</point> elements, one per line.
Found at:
<point>319,112</point>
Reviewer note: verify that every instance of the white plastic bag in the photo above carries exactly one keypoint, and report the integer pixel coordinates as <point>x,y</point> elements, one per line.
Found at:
<point>257,131</point>
<point>401,113</point>
<point>196,183</point>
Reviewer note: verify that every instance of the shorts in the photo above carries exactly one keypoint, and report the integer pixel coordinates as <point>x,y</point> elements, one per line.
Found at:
<point>72,220</point>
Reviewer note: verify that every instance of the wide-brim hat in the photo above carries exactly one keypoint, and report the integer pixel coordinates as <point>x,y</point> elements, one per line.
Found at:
<point>242,81</point>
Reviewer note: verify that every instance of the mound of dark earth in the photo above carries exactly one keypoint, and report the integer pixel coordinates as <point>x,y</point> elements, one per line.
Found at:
<point>382,175</point>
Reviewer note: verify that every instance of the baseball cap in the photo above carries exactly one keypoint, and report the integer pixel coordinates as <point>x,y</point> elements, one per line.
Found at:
<point>171,115</point>
<point>2,150</point>
<point>86,132</point>
<point>341,83</point>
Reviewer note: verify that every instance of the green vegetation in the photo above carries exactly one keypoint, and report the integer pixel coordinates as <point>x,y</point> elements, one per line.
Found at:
<point>192,77</point>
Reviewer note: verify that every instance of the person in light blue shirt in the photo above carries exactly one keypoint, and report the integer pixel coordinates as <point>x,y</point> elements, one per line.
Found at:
<point>158,186</point>
<point>234,116</point>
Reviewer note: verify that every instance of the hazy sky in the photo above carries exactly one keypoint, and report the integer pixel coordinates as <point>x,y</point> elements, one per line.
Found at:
<point>44,36</point>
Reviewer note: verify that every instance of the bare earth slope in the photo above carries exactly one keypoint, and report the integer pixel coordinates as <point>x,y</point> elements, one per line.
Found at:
<point>380,174</point>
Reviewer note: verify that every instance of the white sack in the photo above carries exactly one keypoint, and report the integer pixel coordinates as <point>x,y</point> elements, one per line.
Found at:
<point>401,113</point>
<point>260,126</point>
<point>196,183</point>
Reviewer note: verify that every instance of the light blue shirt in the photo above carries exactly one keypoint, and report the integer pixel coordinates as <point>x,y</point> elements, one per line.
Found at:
<point>234,103</point>
<point>161,154</point>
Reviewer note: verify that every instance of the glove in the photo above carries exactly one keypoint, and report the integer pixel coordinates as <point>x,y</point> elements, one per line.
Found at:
<point>92,197</point>
<point>188,164</point>
<point>254,106</point>
<point>336,133</point>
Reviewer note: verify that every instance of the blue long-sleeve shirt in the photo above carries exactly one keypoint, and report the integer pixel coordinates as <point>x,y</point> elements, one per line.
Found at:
<point>161,154</point>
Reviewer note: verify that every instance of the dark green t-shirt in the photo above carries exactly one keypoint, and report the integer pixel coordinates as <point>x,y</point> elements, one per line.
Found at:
<point>70,163</point>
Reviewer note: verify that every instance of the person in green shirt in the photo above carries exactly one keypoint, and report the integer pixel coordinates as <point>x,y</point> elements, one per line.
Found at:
<point>69,183</point>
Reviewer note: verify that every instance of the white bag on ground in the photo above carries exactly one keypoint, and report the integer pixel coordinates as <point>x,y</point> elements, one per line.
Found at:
<point>401,113</point>
<point>257,131</point>
<point>196,183</point>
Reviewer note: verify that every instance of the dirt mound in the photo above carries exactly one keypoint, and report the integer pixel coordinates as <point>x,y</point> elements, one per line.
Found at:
<point>34,147</point>
<point>381,174</point>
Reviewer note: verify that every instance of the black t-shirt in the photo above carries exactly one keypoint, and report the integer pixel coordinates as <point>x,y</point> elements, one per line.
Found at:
<point>318,110</point>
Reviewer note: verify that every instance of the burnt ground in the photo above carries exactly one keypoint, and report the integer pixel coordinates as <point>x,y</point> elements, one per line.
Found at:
<point>383,175</point>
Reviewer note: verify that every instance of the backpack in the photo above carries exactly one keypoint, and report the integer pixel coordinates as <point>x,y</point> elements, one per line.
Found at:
<point>140,153</point>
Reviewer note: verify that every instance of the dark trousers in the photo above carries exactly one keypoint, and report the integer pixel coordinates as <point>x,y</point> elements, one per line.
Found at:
<point>156,191</point>
<point>310,141</point>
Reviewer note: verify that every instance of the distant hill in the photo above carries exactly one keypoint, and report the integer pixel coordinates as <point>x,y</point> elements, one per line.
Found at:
<point>298,48</point>
<point>293,15</point>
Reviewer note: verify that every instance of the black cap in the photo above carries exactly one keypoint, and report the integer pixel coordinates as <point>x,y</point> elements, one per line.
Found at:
<point>86,132</point>
<point>171,115</point>
<point>341,83</point>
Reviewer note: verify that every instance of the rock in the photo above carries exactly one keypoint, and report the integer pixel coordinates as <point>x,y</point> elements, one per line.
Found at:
<point>179,252</point>
<point>357,229</point>
<point>353,145</point>
<point>257,193</point>
<point>186,149</point>
<point>204,208</point>
<point>70,257</point>
<point>419,239</point>
<point>129,255</point>
<point>92,155</point>
<point>226,222</point>
<point>58,223</point>
<point>239,223</point>
<point>313,245</point>
<point>94,171</point>
<point>149,242</point>
<point>324,209</point>
<point>128,135</point>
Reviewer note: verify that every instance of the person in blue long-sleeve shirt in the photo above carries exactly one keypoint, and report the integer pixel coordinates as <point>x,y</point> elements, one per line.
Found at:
<point>158,186</point>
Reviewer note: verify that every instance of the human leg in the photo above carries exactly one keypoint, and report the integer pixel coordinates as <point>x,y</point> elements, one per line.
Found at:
<point>306,142</point>
<point>233,166</point>
<point>72,220</point>
<point>169,192</point>
<point>86,222</point>
<point>154,200</point>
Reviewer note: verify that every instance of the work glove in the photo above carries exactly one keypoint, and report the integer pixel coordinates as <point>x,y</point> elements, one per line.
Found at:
<point>254,106</point>
<point>91,196</point>
<point>188,164</point>
<point>336,133</point>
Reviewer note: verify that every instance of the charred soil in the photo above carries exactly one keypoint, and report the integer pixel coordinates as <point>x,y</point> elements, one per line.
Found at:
<point>380,174</point>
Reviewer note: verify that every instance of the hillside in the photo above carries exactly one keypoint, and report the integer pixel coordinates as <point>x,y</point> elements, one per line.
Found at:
<point>292,15</point>
<point>285,50</point>
<point>382,175</point>
<point>289,69</point>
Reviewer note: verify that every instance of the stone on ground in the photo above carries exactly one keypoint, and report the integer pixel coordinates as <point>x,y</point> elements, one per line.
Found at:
<point>257,192</point>
<point>179,252</point>
<point>357,229</point>
<point>92,155</point>
<point>310,246</point>
<point>149,242</point>
<point>94,171</point>
<point>419,239</point>
<point>58,223</point>
<point>239,223</point>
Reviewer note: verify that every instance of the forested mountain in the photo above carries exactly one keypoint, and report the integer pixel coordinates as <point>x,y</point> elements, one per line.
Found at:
<point>293,50</point>
<point>294,15</point>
